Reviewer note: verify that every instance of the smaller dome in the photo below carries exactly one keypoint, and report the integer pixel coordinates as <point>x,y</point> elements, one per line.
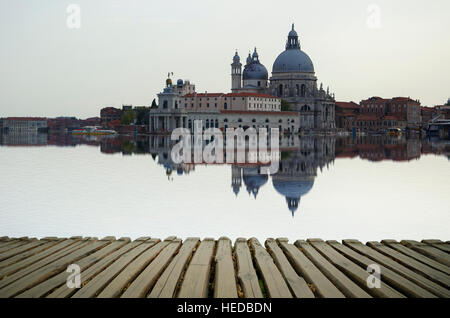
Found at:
<point>255,71</point>
<point>180,82</point>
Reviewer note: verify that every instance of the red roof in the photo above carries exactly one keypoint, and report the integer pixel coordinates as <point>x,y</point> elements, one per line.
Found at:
<point>347,105</point>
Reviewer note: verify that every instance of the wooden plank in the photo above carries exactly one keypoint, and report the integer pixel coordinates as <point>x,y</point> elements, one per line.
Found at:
<point>438,244</point>
<point>429,251</point>
<point>51,269</point>
<point>225,276</point>
<point>400,283</point>
<point>246,272</point>
<point>352,270</point>
<point>166,285</point>
<point>420,257</point>
<point>130,272</point>
<point>16,258</point>
<point>145,281</point>
<point>92,271</point>
<point>28,265</point>
<point>320,284</point>
<point>196,279</point>
<point>99,282</point>
<point>19,249</point>
<point>273,280</point>
<point>347,286</point>
<point>429,272</point>
<point>46,286</point>
<point>297,285</point>
<point>398,268</point>
<point>12,245</point>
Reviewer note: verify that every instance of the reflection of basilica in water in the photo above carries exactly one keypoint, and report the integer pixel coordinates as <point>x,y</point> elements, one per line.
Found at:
<point>300,160</point>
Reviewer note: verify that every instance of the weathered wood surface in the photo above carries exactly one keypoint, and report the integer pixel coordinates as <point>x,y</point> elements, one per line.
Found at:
<point>149,267</point>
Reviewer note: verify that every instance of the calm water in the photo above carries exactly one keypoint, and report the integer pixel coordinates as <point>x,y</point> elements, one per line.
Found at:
<point>368,188</point>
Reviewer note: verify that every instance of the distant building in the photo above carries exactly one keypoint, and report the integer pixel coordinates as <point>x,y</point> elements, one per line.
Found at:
<point>110,114</point>
<point>24,124</point>
<point>443,111</point>
<point>402,112</point>
<point>427,113</point>
<point>346,113</point>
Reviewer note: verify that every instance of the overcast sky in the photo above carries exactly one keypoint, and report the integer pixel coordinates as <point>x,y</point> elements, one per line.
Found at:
<point>124,49</point>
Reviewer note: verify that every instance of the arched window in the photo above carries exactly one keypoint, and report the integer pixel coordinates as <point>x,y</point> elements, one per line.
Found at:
<point>253,120</point>
<point>165,104</point>
<point>305,108</point>
<point>225,120</point>
<point>267,120</point>
<point>217,123</point>
<point>303,91</point>
<point>189,124</point>
<point>239,120</point>
<point>225,106</point>
<point>280,90</point>
<point>297,90</point>
<point>207,123</point>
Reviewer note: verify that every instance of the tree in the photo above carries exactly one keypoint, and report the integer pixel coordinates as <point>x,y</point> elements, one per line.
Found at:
<point>142,116</point>
<point>128,117</point>
<point>285,106</point>
<point>154,104</point>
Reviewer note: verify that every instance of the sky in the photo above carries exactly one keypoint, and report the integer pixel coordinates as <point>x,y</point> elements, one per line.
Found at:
<point>123,50</point>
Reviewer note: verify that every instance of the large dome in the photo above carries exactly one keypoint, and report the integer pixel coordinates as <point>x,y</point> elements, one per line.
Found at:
<point>293,60</point>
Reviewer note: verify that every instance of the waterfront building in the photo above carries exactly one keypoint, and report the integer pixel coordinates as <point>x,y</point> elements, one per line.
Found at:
<point>346,113</point>
<point>24,124</point>
<point>379,113</point>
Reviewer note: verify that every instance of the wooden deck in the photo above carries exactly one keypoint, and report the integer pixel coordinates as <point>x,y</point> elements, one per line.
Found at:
<point>194,268</point>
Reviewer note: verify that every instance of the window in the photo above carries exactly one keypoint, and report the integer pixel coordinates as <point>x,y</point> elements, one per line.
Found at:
<point>165,104</point>
<point>280,90</point>
<point>303,91</point>
<point>225,106</point>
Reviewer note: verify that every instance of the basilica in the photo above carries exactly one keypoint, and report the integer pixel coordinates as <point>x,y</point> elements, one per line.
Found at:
<point>255,99</point>
<point>293,79</point>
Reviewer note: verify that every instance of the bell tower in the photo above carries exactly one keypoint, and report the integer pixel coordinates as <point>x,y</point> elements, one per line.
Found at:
<point>236,73</point>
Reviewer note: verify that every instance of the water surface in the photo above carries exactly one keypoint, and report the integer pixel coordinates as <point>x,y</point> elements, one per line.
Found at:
<point>368,188</point>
